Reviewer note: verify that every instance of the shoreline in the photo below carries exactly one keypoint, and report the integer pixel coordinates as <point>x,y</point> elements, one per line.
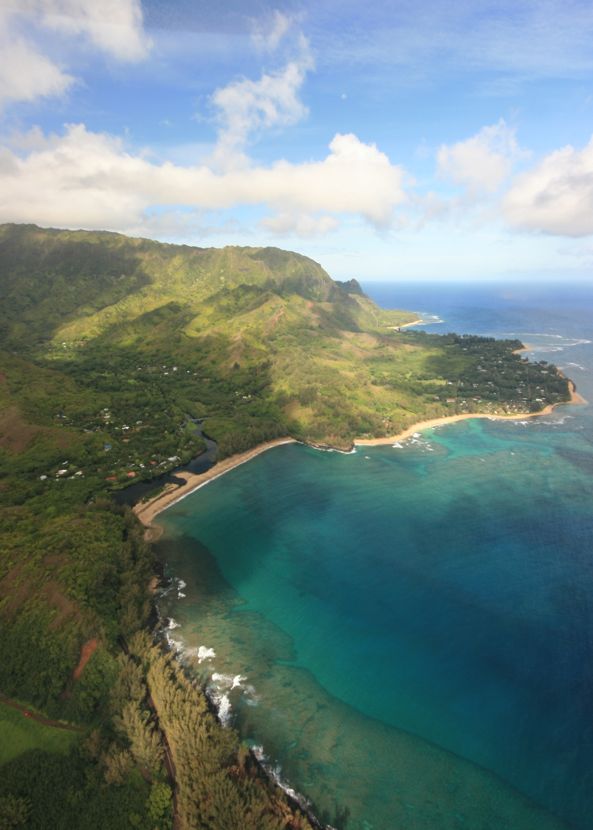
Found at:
<point>421,322</point>
<point>408,432</point>
<point>146,511</point>
<point>406,325</point>
<point>413,323</point>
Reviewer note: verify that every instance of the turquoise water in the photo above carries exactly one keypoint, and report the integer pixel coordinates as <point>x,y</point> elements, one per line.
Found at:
<point>409,630</point>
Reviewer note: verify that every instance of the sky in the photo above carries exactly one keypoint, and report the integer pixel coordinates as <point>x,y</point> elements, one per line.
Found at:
<point>415,140</point>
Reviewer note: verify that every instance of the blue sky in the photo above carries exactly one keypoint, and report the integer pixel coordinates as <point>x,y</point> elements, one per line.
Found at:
<point>409,140</point>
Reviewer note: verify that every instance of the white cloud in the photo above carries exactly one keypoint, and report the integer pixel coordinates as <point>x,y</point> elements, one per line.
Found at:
<point>185,225</point>
<point>483,162</point>
<point>26,73</point>
<point>555,196</point>
<point>246,106</point>
<point>114,26</point>
<point>303,225</point>
<point>267,37</point>
<point>86,179</point>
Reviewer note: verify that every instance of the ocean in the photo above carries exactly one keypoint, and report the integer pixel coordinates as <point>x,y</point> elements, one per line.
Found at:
<point>406,633</point>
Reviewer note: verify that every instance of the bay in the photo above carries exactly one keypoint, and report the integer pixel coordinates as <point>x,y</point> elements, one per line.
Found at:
<point>406,631</point>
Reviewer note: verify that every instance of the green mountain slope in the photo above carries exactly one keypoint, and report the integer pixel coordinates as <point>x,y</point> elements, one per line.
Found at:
<point>260,341</point>
<point>109,347</point>
<point>76,285</point>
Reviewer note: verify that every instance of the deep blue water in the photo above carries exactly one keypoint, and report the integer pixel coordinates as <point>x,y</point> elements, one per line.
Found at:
<point>410,629</point>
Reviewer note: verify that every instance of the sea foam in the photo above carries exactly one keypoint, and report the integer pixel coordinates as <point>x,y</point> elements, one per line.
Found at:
<point>275,773</point>
<point>205,653</point>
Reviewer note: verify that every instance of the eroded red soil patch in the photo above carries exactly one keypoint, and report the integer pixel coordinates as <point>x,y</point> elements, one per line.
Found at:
<point>86,653</point>
<point>17,434</point>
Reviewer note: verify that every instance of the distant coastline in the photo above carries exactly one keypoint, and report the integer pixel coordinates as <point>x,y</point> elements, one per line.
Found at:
<point>407,325</point>
<point>146,511</point>
<point>575,398</point>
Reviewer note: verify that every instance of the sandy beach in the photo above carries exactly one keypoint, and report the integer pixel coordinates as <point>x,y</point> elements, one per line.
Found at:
<point>406,325</point>
<point>575,398</point>
<point>147,510</point>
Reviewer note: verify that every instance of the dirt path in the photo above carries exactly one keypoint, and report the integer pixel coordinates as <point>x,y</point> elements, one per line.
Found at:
<point>56,724</point>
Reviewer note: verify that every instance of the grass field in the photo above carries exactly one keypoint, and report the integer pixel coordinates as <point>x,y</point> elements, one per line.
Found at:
<point>18,734</point>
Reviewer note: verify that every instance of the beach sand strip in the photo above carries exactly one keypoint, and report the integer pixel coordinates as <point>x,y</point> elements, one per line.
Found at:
<point>147,510</point>
<point>575,398</point>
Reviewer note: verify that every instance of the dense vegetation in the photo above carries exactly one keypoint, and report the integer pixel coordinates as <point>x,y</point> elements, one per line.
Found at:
<point>109,348</point>
<point>159,728</point>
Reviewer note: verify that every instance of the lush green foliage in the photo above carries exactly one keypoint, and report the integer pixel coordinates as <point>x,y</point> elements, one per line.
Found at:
<point>66,791</point>
<point>65,579</point>
<point>156,723</point>
<point>219,787</point>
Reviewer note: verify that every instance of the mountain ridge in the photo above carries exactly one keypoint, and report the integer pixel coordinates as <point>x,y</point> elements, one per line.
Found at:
<point>117,276</point>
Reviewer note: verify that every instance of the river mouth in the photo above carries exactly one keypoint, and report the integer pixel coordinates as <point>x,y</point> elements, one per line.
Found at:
<point>134,493</point>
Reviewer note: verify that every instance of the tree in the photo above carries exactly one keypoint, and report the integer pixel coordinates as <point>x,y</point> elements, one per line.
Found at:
<point>14,812</point>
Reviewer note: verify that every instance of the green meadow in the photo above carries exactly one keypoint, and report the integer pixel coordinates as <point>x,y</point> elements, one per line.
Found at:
<point>19,734</point>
